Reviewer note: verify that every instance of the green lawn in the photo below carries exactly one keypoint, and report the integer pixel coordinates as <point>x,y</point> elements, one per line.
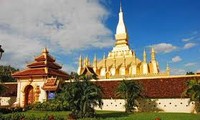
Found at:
<point>109,115</point>
<point>147,116</point>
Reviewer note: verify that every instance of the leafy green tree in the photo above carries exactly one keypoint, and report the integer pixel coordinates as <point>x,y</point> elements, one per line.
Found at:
<point>193,91</point>
<point>130,92</point>
<point>190,73</point>
<point>2,89</point>
<point>82,96</point>
<point>5,73</point>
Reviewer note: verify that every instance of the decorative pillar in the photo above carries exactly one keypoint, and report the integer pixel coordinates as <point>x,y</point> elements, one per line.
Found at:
<point>37,93</point>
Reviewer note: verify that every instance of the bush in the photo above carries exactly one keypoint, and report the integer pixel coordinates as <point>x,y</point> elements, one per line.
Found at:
<point>10,110</point>
<point>51,105</point>
<point>14,116</point>
<point>19,116</point>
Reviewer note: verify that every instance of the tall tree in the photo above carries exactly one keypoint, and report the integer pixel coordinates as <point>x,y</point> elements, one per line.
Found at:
<point>5,73</point>
<point>82,96</point>
<point>193,91</point>
<point>129,90</point>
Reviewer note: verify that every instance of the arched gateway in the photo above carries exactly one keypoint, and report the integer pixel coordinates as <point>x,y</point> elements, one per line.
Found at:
<point>29,95</point>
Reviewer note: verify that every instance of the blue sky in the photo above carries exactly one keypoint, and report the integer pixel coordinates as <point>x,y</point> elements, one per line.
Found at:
<point>152,22</point>
<point>69,30</point>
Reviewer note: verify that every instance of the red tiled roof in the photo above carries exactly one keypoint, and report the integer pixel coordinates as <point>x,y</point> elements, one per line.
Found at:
<point>51,84</point>
<point>42,64</point>
<point>37,68</point>
<point>151,88</point>
<point>30,72</point>
<point>50,88</point>
<point>42,58</point>
<point>40,72</point>
<point>58,73</point>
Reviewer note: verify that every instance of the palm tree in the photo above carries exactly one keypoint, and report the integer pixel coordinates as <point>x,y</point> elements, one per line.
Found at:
<point>82,96</point>
<point>193,91</point>
<point>129,91</point>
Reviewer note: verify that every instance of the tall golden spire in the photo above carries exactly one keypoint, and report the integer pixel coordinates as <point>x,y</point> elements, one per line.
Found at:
<point>121,35</point>
<point>168,69</point>
<point>95,61</point>
<point>104,59</point>
<point>153,56</point>
<point>87,61</point>
<point>144,56</point>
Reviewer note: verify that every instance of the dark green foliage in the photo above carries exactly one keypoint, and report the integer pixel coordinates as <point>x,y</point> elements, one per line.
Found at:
<point>13,116</point>
<point>193,91</point>
<point>20,116</point>
<point>2,89</point>
<point>189,73</point>
<point>5,73</point>
<point>129,91</point>
<point>10,110</point>
<point>82,96</point>
<point>51,105</point>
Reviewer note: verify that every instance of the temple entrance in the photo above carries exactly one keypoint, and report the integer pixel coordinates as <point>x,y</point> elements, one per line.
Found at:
<point>29,95</point>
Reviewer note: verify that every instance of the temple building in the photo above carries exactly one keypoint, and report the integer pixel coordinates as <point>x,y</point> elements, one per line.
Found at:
<point>39,81</point>
<point>160,91</point>
<point>122,61</point>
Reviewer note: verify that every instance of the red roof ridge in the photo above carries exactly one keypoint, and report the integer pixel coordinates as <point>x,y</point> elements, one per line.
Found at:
<point>44,65</point>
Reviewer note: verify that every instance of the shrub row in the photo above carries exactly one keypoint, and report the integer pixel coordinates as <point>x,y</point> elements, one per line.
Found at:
<point>19,116</point>
<point>51,105</point>
<point>10,110</point>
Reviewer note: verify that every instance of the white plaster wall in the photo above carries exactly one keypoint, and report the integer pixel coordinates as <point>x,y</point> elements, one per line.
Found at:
<point>164,105</point>
<point>176,105</point>
<point>7,101</point>
<point>112,105</point>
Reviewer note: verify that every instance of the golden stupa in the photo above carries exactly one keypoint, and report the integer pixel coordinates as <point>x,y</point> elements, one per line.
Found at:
<point>121,62</point>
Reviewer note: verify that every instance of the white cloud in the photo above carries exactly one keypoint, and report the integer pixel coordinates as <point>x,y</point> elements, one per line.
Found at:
<point>187,39</point>
<point>198,71</point>
<point>176,59</point>
<point>178,71</point>
<point>164,47</point>
<point>189,45</point>
<point>190,64</point>
<point>63,26</point>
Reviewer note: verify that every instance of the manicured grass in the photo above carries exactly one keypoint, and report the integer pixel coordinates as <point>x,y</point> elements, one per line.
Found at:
<point>111,115</point>
<point>43,113</point>
<point>147,116</point>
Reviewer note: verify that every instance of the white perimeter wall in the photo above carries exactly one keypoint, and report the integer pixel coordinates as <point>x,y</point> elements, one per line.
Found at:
<point>148,105</point>
<point>7,101</point>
